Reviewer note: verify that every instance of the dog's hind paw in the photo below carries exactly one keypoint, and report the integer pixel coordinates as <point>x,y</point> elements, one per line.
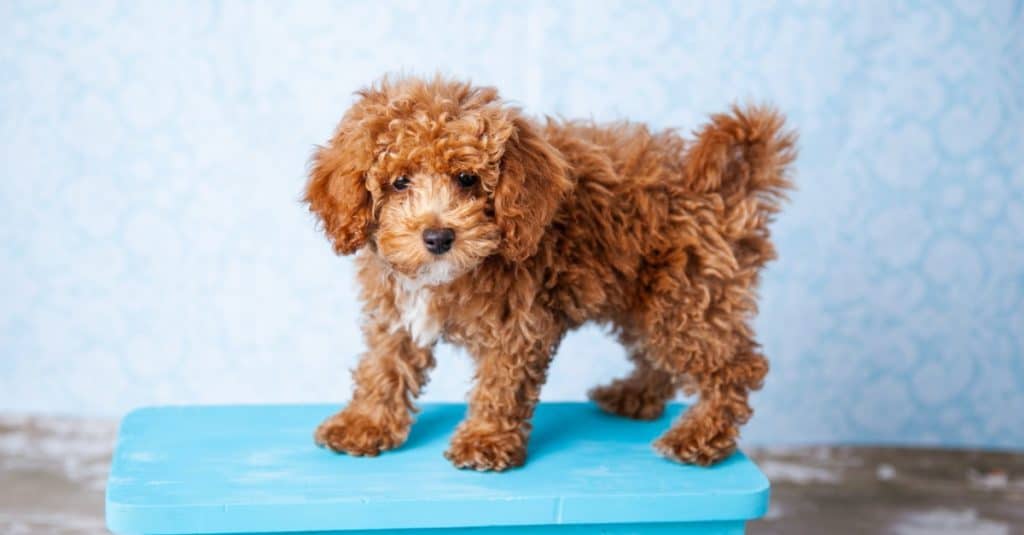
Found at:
<point>628,400</point>
<point>691,443</point>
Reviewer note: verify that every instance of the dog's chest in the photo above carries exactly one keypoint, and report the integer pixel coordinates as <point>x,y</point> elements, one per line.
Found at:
<point>417,313</point>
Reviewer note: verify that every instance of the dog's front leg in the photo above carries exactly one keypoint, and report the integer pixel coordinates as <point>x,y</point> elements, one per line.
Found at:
<point>509,376</point>
<point>387,380</point>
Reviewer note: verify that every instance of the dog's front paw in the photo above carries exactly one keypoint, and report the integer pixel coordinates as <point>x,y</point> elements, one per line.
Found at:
<point>693,442</point>
<point>485,451</point>
<point>357,434</point>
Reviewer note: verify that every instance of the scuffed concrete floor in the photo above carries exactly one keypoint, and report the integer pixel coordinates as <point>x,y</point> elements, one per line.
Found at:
<point>902,491</point>
<point>52,473</point>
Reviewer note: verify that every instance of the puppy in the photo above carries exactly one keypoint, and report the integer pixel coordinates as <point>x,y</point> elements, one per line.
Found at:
<point>483,228</point>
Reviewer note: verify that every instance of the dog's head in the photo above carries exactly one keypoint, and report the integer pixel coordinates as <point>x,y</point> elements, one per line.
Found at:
<point>435,176</point>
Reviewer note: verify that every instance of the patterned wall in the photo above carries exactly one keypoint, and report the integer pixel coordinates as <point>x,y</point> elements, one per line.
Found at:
<point>152,249</point>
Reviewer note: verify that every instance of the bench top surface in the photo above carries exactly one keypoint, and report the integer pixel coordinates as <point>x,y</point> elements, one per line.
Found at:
<point>225,469</point>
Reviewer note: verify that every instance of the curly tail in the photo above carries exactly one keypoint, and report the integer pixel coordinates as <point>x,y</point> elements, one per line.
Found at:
<point>743,154</point>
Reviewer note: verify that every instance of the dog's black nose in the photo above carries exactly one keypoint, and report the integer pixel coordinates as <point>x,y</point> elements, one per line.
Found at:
<point>438,240</point>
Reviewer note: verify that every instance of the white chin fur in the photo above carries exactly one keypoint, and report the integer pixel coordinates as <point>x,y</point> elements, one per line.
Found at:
<point>435,274</point>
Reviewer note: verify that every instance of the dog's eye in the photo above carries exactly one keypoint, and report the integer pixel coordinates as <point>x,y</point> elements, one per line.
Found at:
<point>467,180</point>
<point>401,183</point>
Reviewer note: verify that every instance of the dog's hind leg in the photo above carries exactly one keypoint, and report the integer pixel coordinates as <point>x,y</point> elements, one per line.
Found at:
<point>701,332</point>
<point>708,431</point>
<point>641,395</point>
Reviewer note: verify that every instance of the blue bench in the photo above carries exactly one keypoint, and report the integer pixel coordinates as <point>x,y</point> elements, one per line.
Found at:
<point>255,469</point>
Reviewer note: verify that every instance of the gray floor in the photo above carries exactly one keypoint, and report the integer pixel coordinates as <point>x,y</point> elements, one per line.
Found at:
<point>52,473</point>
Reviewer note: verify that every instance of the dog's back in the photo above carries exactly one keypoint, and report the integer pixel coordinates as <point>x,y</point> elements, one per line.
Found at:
<point>650,194</point>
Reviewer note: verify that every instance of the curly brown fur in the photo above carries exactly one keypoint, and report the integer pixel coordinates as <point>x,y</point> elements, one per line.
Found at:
<point>568,222</point>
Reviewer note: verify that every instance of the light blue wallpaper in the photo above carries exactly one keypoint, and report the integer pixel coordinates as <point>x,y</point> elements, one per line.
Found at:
<point>152,249</point>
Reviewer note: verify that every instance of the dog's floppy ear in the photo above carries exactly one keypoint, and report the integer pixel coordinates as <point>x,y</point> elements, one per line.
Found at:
<point>336,191</point>
<point>533,182</point>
